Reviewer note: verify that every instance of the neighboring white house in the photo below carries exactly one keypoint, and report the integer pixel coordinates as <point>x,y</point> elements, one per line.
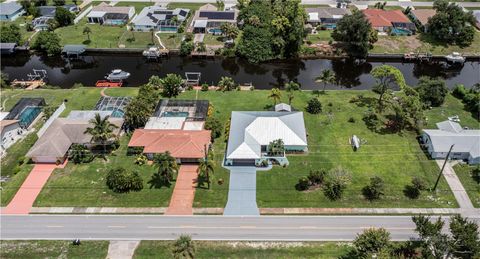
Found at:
<point>252,132</point>
<point>10,11</point>
<point>466,142</point>
<point>159,18</point>
<point>106,14</point>
<point>11,132</point>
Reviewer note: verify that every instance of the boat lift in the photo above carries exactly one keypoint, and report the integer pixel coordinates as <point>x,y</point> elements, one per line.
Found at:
<point>192,78</point>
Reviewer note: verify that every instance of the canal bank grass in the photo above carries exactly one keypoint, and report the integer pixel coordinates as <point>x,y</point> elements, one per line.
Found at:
<point>100,37</point>
<point>421,43</point>
<point>137,39</point>
<point>471,184</point>
<point>396,158</point>
<point>212,249</point>
<point>171,40</point>
<point>321,36</point>
<point>31,249</point>
<point>84,185</point>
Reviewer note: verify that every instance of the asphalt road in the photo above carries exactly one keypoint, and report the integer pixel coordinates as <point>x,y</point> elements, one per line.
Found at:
<point>157,227</point>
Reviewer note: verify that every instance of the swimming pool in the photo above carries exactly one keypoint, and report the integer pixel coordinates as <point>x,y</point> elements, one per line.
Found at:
<point>28,115</point>
<point>215,31</point>
<point>401,32</point>
<point>175,114</point>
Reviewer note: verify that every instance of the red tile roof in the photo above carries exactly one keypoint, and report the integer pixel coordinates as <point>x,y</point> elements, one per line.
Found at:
<point>180,143</point>
<point>384,18</point>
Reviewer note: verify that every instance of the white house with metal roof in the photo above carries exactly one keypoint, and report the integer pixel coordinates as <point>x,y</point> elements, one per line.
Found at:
<point>251,132</point>
<point>159,18</point>
<point>466,142</point>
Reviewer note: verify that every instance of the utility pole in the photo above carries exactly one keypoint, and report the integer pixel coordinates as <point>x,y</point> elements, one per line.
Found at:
<point>443,167</point>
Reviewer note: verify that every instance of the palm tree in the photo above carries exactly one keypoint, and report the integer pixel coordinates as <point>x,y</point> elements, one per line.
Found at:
<point>205,167</point>
<point>77,153</point>
<point>275,94</point>
<point>326,77</point>
<point>102,130</point>
<point>290,87</point>
<point>167,167</point>
<point>87,31</point>
<point>184,247</point>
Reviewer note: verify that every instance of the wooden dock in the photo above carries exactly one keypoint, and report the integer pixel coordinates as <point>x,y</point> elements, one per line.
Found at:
<point>28,85</point>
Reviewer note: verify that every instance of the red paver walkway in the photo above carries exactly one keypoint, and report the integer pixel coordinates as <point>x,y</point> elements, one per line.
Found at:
<point>31,187</point>
<point>184,192</point>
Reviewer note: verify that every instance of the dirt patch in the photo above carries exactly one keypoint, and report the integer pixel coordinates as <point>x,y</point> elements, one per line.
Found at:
<point>388,43</point>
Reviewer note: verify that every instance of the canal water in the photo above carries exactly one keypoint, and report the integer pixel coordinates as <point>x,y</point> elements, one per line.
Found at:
<point>351,74</point>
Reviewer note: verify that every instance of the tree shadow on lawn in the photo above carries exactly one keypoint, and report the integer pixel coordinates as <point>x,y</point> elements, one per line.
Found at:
<point>158,182</point>
<point>202,182</point>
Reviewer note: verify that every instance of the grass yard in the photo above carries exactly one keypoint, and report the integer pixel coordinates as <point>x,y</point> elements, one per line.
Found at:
<point>52,249</point>
<point>451,107</point>
<point>100,37</point>
<point>321,36</point>
<point>171,40</point>
<point>83,185</point>
<point>204,249</point>
<point>192,6</point>
<point>395,158</point>
<point>464,172</point>
<point>211,39</point>
<point>137,39</point>
<point>421,43</point>
<point>138,6</point>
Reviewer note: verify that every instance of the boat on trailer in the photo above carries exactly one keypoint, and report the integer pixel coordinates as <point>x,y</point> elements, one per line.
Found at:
<point>117,75</point>
<point>107,83</point>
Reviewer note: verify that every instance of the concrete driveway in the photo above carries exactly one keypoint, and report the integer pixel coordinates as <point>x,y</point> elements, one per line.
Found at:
<point>242,193</point>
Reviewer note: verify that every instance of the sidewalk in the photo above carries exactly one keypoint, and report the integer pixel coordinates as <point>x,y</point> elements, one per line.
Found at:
<point>263,211</point>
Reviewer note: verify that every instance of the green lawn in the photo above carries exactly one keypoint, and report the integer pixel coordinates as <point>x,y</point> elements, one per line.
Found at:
<point>137,39</point>
<point>138,6</point>
<point>320,36</point>
<point>52,249</point>
<point>171,40</point>
<point>395,158</point>
<point>451,107</point>
<point>464,172</point>
<point>211,39</point>
<point>84,185</point>
<point>162,249</point>
<point>100,37</point>
<point>192,6</point>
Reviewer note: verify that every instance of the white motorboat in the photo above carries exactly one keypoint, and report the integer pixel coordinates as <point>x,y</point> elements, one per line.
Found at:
<point>117,75</point>
<point>455,57</point>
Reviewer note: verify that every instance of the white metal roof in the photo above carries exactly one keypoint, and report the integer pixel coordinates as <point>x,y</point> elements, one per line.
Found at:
<point>451,133</point>
<point>200,24</point>
<point>251,130</point>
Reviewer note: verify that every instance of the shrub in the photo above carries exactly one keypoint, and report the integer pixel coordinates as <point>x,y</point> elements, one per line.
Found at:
<point>317,176</point>
<point>186,48</point>
<point>411,191</point>
<point>432,91</point>
<point>220,181</point>
<point>419,183</point>
<point>314,106</point>
<point>205,87</point>
<point>459,91</point>
<point>215,126</point>
<point>303,184</point>
<point>336,183</point>
<point>476,174</point>
<point>141,159</point>
<point>375,189</point>
<point>120,180</point>
<point>351,119</point>
<point>371,241</point>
